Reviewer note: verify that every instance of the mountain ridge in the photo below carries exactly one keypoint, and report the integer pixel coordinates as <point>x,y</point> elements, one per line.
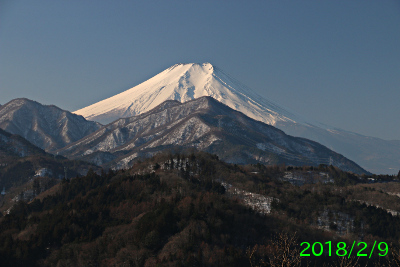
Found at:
<point>205,124</point>
<point>16,146</point>
<point>183,82</point>
<point>46,126</point>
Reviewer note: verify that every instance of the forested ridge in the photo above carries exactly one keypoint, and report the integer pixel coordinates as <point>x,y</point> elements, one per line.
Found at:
<point>174,210</point>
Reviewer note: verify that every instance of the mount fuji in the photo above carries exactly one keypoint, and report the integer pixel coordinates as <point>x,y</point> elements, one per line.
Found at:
<point>205,124</point>
<point>184,82</point>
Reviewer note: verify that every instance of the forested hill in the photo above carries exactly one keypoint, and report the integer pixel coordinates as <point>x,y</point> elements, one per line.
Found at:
<point>190,210</point>
<point>13,145</point>
<point>21,162</point>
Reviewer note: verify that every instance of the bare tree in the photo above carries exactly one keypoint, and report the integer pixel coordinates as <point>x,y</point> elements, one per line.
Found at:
<point>286,251</point>
<point>251,255</point>
<point>347,262</point>
<point>283,252</point>
<point>395,261</point>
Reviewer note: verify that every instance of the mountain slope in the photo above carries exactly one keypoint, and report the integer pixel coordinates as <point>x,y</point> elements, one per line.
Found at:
<point>183,82</point>
<point>374,154</point>
<point>47,127</point>
<point>21,161</point>
<point>205,124</point>
<point>15,146</point>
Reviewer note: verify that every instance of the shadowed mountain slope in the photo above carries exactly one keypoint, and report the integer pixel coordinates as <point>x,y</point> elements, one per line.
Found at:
<point>184,82</point>
<point>204,124</point>
<point>47,127</point>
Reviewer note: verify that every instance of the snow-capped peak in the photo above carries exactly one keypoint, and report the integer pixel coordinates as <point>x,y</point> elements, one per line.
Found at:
<point>184,82</point>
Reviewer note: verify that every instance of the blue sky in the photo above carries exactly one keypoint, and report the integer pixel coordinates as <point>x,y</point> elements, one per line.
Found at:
<point>336,62</point>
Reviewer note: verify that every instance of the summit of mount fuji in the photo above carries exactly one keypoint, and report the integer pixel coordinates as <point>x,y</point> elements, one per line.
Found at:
<point>184,82</point>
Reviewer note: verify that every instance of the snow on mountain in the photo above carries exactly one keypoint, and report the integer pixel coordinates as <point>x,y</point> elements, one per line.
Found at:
<point>47,127</point>
<point>184,82</point>
<point>207,125</point>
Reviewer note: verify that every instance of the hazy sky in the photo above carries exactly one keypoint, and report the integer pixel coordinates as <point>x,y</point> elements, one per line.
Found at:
<point>336,62</point>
